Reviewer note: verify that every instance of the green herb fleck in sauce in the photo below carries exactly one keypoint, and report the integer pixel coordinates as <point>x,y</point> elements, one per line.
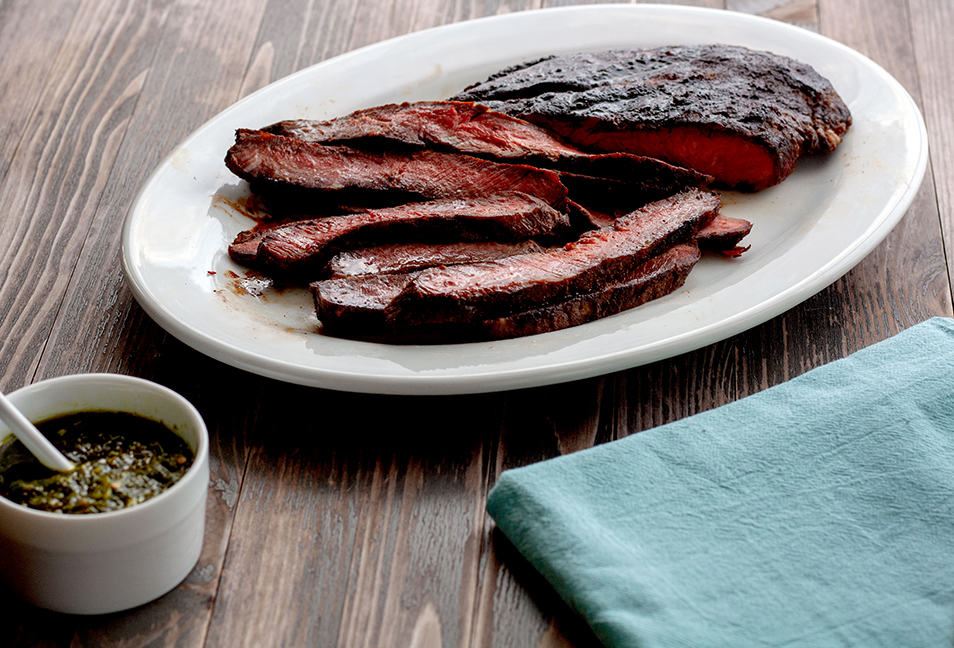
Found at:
<point>121,460</point>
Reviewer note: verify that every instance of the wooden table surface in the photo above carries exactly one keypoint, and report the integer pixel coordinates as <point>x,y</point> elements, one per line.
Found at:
<point>339,519</point>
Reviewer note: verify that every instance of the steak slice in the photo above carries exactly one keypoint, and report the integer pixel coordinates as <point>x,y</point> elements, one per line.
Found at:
<point>354,307</point>
<point>464,127</point>
<point>740,115</point>
<point>659,276</point>
<point>300,250</point>
<point>274,164</point>
<point>473,129</point>
<point>615,182</point>
<point>723,234</point>
<point>406,257</point>
<point>482,291</point>
<point>244,248</point>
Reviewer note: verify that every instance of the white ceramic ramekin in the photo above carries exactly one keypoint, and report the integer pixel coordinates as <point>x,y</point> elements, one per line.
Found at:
<point>105,562</point>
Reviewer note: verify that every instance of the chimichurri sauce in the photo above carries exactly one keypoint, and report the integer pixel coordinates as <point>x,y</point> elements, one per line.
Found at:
<point>121,460</point>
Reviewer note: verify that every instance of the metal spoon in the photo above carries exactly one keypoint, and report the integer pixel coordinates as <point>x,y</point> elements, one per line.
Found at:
<point>29,436</point>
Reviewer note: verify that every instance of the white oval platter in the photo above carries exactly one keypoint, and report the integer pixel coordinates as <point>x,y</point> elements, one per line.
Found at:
<point>809,230</point>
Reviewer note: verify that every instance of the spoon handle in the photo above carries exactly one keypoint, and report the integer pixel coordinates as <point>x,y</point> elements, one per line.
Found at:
<point>29,436</point>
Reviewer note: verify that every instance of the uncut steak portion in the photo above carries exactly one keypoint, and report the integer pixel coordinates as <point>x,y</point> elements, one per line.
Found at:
<point>740,115</point>
<point>473,129</point>
<point>275,165</point>
<point>354,307</point>
<point>405,257</point>
<point>300,250</point>
<point>481,291</point>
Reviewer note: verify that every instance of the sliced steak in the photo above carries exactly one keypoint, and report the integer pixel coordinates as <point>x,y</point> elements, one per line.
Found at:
<point>739,115</point>
<point>300,250</point>
<point>482,291</point>
<point>464,127</point>
<point>473,129</point>
<point>647,174</point>
<point>354,307</point>
<point>244,248</point>
<point>650,280</point>
<point>406,257</point>
<point>275,165</point>
<point>723,234</point>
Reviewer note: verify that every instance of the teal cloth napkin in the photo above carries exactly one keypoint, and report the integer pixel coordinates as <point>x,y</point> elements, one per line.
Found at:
<point>817,513</point>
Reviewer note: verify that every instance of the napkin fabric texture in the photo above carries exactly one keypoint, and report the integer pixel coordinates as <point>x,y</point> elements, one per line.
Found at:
<point>816,513</point>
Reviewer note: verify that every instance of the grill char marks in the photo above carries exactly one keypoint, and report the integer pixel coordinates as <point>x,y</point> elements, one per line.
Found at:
<point>274,165</point>
<point>300,250</point>
<point>739,115</point>
<point>483,291</point>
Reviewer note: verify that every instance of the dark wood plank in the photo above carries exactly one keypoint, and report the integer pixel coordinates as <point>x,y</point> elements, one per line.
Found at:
<point>802,13</point>
<point>358,523</point>
<point>934,54</point>
<point>72,140</point>
<point>516,606</point>
<point>174,66</point>
<point>297,33</point>
<point>24,75</point>
<point>904,280</point>
<point>191,70</point>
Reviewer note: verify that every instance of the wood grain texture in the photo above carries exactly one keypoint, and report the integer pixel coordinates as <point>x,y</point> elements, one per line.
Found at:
<point>153,56</point>
<point>22,77</point>
<point>934,56</point>
<point>880,306</point>
<point>100,327</point>
<point>802,13</point>
<point>73,137</point>
<point>378,505</point>
<point>298,33</point>
<point>516,607</point>
<point>345,519</point>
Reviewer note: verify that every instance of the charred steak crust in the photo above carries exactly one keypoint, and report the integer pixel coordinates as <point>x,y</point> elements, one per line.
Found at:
<point>741,115</point>
<point>482,291</point>
<point>435,204</point>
